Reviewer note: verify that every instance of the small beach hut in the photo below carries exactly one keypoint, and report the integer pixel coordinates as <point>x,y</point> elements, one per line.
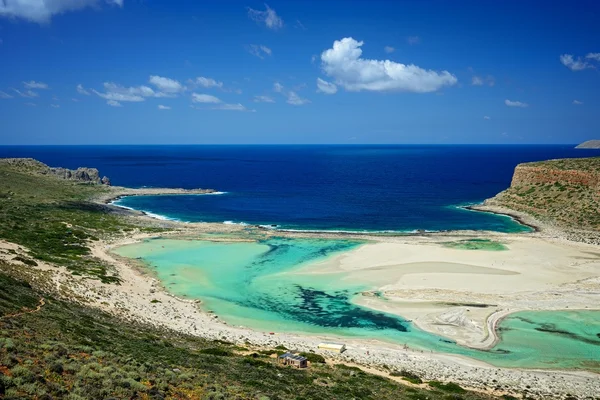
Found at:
<point>293,359</point>
<point>334,347</point>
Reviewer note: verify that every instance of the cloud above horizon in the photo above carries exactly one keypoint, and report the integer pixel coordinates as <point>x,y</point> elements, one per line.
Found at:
<point>205,98</point>
<point>82,90</point>
<point>35,85</point>
<point>326,87</point>
<point>344,64</point>
<point>480,81</point>
<point>42,11</point>
<point>259,50</point>
<point>166,85</point>
<point>511,103</point>
<point>580,63</point>
<point>291,96</point>
<point>207,82</point>
<point>268,17</point>
<point>263,99</point>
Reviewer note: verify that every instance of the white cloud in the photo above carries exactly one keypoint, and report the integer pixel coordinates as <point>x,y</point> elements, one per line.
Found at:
<point>299,25</point>
<point>119,93</point>
<point>4,95</point>
<point>30,104</point>
<point>204,98</point>
<point>26,93</point>
<point>294,99</point>
<point>486,117</point>
<point>55,105</point>
<point>114,103</point>
<point>413,40</point>
<point>343,62</point>
<point>389,49</point>
<point>82,90</point>
<point>42,11</point>
<point>326,87</point>
<point>573,64</point>
<point>479,81</point>
<point>515,103</point>
<point>35,85</point>
<point>161,107</point>
<point>259,51</point>
<point>144,91</point>
<point>577,102</point>
<point>593,56</point>
<point>230,107</point>
<point>207,82</point>
<point>116,97</point>
<point>55,98</point>
<point>269,17</point>
<point>75,100</point>
<point>263,99</point>
<point>166,85</point>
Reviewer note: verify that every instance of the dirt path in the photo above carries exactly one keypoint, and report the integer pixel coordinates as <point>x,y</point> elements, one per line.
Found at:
<point>38,308</point>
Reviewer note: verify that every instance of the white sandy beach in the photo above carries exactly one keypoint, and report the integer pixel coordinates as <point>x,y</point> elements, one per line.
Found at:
<point>423,281</point>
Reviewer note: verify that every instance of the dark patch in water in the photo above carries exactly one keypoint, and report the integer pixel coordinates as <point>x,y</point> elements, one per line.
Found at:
<point>477,305</point>
<point>526,320</point>
<point>447,341</point>
<point>551,328</point>
<point>333,310</point>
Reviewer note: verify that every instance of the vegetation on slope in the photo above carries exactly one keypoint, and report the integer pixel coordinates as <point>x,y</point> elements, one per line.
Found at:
<point>551,196</point>
<point>55,220</point>
<point>72,352</point>
<point>590,164</point>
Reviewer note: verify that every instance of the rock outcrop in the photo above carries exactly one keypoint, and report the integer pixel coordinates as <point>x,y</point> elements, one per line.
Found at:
<point>590,144</point>
<point>87,175</point>
<point>562,193</point>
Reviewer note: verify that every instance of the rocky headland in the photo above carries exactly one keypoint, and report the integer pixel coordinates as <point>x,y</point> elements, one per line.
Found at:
<point>562,197</point>
<point>82,174</point>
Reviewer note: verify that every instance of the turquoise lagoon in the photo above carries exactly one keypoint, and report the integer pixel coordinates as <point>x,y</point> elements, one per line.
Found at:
<point>254,284</point>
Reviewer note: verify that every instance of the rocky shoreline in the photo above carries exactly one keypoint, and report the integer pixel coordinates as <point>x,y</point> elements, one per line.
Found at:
<point>115,193</point>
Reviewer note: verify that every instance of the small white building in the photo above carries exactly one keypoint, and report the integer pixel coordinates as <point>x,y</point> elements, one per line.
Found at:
<point>334,347</point>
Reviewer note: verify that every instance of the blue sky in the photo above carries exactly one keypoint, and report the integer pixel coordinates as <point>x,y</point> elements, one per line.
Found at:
<point>157,71</point>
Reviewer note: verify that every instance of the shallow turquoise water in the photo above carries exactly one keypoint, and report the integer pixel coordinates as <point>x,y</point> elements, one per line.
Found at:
<point>250,284</point>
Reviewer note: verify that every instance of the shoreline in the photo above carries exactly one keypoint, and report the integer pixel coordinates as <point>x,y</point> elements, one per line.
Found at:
<point>521,218</point>
<point>121,192</point>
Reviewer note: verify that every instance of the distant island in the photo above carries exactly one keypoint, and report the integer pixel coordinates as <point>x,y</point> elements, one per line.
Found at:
<point>590,144</point>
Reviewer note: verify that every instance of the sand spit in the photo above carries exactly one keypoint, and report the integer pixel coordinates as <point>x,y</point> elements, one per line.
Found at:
<point>116,192</point>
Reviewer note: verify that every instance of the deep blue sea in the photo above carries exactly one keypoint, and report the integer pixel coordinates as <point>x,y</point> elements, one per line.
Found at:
<point>370,187</point>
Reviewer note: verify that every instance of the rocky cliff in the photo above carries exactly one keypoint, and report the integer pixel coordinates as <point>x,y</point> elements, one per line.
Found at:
<point>564,193</point>
<point>590,144</point>
<point>87,175</point>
